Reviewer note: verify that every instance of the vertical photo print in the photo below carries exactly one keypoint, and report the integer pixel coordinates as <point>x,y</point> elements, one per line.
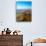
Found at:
<point>23,11</point>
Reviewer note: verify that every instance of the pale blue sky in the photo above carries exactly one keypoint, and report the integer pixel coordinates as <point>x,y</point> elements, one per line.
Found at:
<point>24,5</point>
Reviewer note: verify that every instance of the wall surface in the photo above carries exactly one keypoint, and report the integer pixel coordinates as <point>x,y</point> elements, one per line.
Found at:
<point>31,30</point>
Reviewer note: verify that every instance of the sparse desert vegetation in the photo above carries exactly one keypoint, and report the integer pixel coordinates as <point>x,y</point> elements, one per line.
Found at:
<point>25,16</point>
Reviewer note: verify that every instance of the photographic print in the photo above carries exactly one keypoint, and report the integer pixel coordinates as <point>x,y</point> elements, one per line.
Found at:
<point>23,11</point>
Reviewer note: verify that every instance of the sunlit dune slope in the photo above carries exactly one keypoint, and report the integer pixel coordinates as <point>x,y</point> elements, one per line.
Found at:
<point>39,40</point>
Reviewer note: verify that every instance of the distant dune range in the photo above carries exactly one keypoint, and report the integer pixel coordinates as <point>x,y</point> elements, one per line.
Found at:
<point>24,15</point>
<point>39,40</point>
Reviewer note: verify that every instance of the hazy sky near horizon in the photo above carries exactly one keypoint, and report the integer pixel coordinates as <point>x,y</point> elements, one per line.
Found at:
<point>23,5</point>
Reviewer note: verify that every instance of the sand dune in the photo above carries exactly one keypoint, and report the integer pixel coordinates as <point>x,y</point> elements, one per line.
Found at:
<point>39,40</point>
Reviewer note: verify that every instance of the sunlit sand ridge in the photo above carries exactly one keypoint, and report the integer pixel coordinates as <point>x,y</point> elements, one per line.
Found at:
<point>39,40</point>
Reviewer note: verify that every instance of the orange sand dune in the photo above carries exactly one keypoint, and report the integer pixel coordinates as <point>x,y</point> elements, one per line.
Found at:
<point>39,40</point>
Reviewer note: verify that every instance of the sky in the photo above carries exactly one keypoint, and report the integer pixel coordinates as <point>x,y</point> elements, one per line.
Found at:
<point>24,5</point>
